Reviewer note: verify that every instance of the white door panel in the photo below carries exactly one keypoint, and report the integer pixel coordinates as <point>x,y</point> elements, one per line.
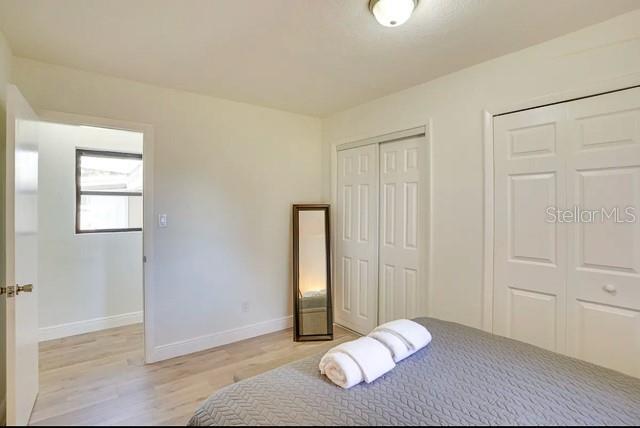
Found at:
<point>582,157</point>
<point>399,230</point>
<point>356,289</point>
<point>604,253</point>
<point>21,257</point>
<point>605,335</point>
<point>530,252</point>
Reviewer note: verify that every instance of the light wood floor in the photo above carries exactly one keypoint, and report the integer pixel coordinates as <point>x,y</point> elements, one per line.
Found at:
<point>101,379</point>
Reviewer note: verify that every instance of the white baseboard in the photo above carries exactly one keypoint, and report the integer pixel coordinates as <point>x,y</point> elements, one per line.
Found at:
<point>87,326</point>
<point>189,346</point>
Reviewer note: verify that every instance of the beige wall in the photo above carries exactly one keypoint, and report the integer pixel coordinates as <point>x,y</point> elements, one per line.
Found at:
<point>5,68</point>
<point>226,174</point>
<point>455,103</point>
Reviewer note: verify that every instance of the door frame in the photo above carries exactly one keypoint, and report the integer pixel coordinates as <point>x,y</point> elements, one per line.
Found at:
<point>148,221</point>
<point>588,90</point>
<point>425,204</point>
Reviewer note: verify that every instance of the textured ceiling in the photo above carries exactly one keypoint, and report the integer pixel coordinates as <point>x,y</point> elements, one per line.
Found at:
<point>307,56</point>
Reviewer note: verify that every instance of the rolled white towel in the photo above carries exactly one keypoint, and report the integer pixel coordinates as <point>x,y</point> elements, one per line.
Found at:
<point>341,369</point>
<point>397,346</point>
<point>413,335</point>
<point>371,358</point>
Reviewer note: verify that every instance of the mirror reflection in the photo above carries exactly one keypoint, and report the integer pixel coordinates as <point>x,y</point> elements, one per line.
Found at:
<point>313,318</point>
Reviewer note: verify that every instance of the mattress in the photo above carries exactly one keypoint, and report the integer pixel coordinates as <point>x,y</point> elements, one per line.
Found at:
<point>464,377</point>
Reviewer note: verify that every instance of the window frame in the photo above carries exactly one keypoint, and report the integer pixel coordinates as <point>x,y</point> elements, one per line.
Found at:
<point>79,192</point>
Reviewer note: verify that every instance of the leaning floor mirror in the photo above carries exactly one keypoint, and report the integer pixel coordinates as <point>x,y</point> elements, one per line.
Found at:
<point>311,273</point>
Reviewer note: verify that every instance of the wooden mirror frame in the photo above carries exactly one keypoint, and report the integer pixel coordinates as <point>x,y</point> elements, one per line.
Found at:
<point>297,333</point>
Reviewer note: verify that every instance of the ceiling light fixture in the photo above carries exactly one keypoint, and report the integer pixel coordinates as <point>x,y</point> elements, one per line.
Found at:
<point>392,13</point>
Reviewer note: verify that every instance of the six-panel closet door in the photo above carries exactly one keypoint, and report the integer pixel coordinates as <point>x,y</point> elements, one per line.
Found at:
<point>530,253</point>
<point>377,275</point>
<point>356,243</point>
<point>604,254</point>
<point>399,230</point>
<point>569,280</point>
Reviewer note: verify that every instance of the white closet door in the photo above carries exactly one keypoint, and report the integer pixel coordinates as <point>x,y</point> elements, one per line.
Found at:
<point>356,281</point>
<point>530,252</point>
<point>604,256</point>
<point>399,230</point>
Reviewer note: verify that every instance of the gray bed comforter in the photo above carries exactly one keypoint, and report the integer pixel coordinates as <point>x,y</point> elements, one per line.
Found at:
<point>464,377</point>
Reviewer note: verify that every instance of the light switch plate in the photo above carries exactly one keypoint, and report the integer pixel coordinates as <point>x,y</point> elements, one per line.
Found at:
<point>162,220</point>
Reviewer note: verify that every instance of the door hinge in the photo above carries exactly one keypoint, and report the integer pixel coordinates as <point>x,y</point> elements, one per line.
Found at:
<point>9,291</point>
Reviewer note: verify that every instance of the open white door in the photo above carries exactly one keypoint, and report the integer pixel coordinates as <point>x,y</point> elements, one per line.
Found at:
<point>21,205</point>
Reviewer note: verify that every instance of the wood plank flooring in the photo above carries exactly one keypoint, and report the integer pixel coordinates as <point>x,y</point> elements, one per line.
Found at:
<point>101,379</point>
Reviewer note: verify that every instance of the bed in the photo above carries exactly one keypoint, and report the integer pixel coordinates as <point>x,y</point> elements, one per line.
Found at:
<point>464,377</point>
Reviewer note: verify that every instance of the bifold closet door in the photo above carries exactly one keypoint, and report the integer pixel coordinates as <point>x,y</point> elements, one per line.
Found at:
<point>604,247</point>
<point>567,228</point>
<point>399,230</point>
<point>356,271</point>
<point>530,265</point>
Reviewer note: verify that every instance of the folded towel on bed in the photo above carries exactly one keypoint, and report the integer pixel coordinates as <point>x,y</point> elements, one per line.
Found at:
<point>398,347</point>
<point>402,337</point>
<point>352,362</point>
<point>341,369</point>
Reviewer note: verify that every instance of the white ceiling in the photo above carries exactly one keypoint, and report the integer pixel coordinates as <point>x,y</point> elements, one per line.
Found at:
<point>307,56</point>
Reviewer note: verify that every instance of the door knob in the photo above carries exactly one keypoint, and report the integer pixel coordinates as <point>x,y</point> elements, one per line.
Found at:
<point>27,288</point>
<point>610,288</point>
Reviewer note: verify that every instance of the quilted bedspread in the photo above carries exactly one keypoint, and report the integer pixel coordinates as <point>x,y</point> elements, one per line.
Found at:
<point>464,377</point>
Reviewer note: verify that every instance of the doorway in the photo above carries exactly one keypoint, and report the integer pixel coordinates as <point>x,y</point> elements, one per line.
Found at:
<point>90,199</point>
<point>77,245</point>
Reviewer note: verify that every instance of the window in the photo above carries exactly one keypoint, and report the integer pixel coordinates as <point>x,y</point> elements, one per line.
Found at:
<point>108,191</point>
